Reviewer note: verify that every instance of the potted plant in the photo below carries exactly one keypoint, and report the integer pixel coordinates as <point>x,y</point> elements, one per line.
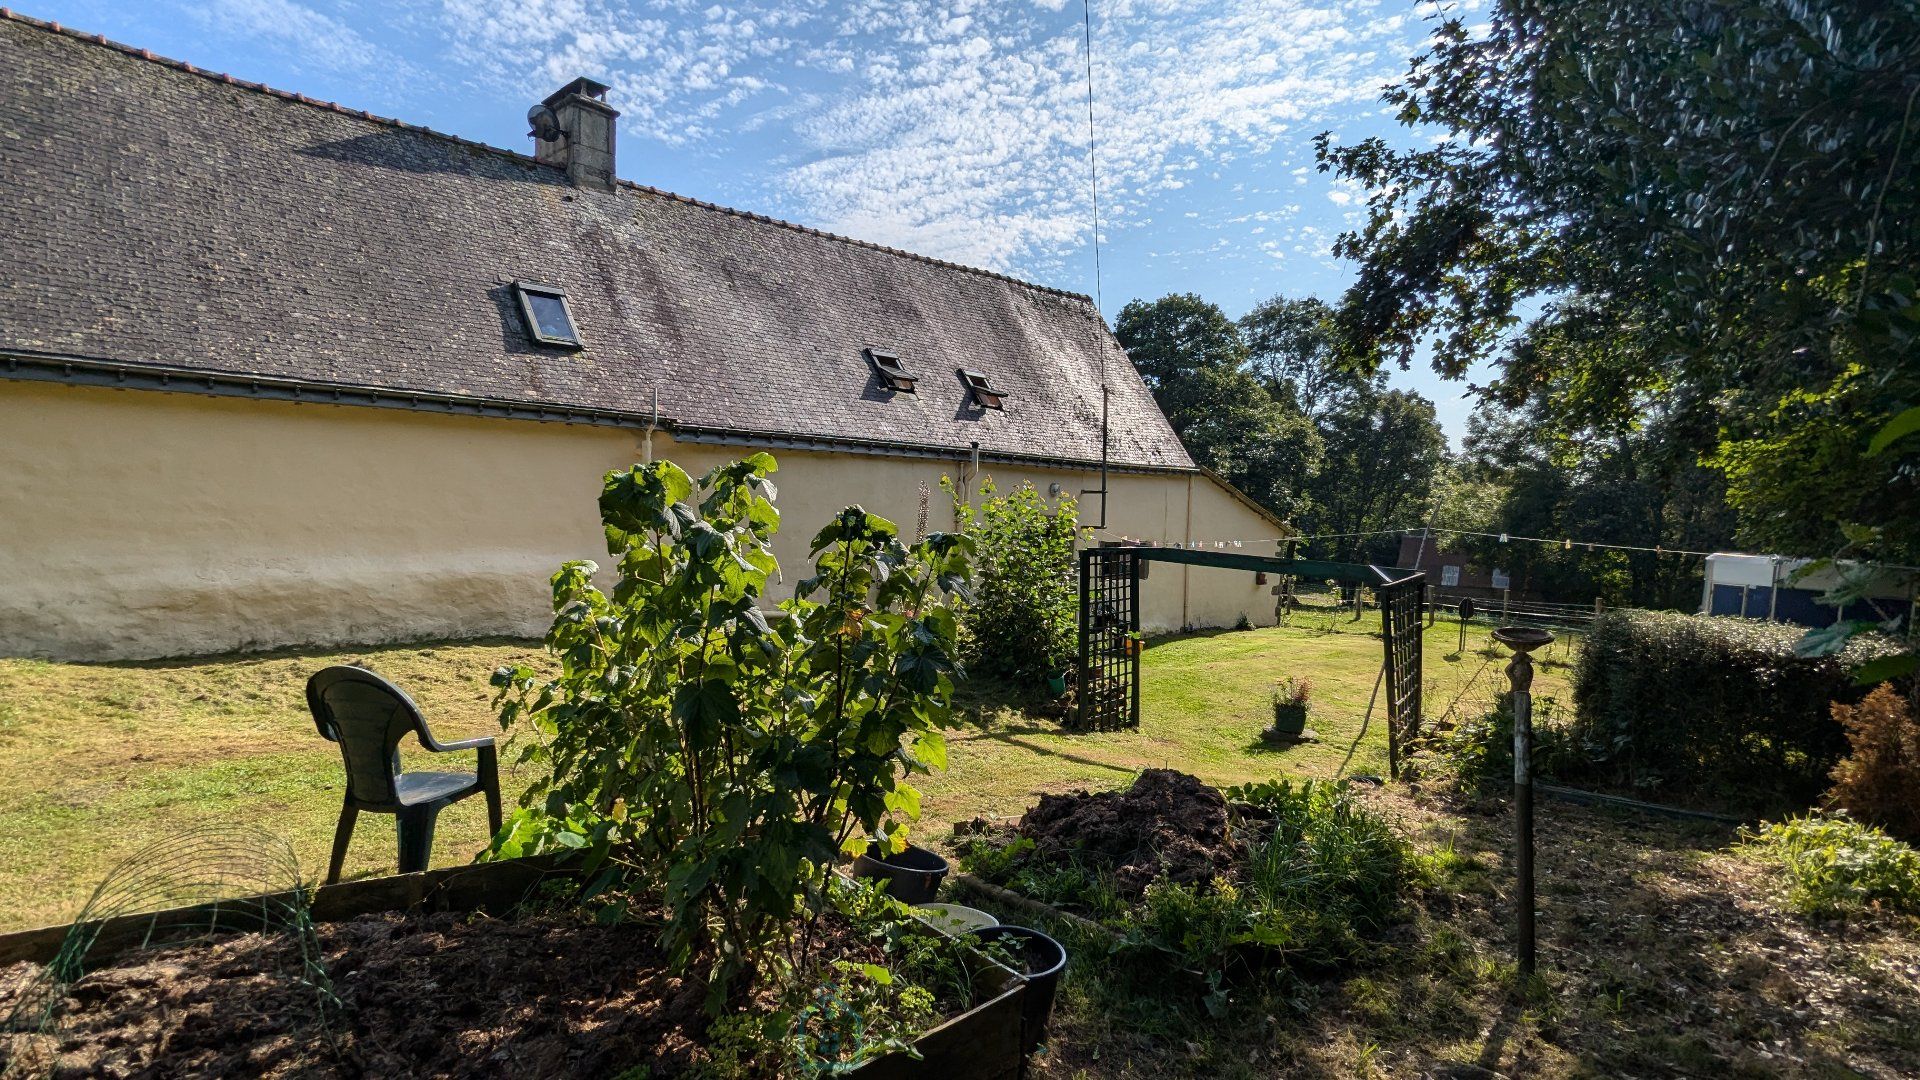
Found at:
<point>1056,676</point>
<point>1291,703</point>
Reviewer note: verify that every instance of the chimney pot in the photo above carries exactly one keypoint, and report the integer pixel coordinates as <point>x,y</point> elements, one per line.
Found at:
<point>573,130</point>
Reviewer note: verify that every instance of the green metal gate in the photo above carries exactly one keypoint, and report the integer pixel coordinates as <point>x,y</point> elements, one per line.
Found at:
<point>1403,604</point>
<point>1109,690</point>
<point>1109,670</point>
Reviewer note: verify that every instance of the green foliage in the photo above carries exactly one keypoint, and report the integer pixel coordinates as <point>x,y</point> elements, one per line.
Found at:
<point>1293,348</point>
<point>1321,875</point>
<point>1835,865</point>
<point>698,747</point>
<point>1022,617</point>
<point>1193,359</point>
<point>1717,205</point>
<point>1330,872</point>
<point>1383,449</point>
<point>1477,753</point>
<point>1723,706</point>
<point>1637,483</point>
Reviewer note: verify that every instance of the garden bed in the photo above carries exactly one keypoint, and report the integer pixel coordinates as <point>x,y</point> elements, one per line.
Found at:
<point>454,980</point>
<point>1212,883</point>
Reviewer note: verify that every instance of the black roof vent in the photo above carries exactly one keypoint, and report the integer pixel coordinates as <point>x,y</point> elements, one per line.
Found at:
<point>892,374</point>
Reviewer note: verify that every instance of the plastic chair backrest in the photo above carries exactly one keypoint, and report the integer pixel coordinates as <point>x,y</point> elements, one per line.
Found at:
<point>367,716</point>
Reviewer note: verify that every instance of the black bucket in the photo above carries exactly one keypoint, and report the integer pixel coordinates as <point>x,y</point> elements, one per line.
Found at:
<point>913,876</point>
<point>1041,960</point>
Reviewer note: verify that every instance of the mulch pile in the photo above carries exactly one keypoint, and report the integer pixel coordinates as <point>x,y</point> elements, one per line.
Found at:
<point>1166,823</point>
<point>442,995</point>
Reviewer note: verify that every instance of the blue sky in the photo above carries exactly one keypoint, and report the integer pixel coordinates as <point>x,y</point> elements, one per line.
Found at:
<point>956,129</point>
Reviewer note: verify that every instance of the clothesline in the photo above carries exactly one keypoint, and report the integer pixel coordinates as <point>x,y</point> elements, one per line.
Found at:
<point>1564,543</point>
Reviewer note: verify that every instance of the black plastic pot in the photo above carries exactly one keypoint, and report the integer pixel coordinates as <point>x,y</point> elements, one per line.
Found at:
<point>913,876</point>
<point>1041,960</point>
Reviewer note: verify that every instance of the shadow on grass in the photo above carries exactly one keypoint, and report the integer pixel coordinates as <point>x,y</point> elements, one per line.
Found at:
<point>299,652</point>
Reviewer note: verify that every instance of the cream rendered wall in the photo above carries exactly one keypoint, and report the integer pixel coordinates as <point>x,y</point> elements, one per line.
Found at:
<point>137,524</point>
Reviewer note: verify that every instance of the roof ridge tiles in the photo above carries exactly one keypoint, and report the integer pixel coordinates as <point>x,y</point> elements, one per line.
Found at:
<point>9,15</point>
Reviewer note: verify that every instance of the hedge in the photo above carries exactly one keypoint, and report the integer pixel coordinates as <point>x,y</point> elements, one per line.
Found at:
<point>1710,706</point>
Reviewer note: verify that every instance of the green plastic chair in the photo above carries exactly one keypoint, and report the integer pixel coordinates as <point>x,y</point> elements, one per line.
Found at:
<point>368,716</point>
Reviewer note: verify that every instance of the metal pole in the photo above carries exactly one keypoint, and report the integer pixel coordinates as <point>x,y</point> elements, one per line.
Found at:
<point>1523,640</point>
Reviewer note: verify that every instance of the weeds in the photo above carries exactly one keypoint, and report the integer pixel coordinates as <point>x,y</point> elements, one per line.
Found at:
<point>1836,866</point>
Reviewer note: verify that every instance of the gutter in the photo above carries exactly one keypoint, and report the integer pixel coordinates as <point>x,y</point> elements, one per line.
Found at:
<point>125,375</point>
<point>118,375</point>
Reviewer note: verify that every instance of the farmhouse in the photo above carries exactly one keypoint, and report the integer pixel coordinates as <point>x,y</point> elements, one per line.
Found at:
<point>274,371</point>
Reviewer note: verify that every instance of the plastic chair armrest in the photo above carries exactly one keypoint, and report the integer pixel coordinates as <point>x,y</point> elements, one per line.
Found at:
<point>438,747</point>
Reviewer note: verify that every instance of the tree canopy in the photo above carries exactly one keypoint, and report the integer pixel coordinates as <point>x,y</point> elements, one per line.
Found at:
<point>1713,207</point>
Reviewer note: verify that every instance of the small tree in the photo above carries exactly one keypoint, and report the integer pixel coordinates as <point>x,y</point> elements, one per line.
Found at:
<point>1879,780</point>
<point>702,749</point>
<point>1023,616</point>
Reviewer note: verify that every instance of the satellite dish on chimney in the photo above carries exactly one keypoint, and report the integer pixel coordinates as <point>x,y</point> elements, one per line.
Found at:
<point>544,122</point>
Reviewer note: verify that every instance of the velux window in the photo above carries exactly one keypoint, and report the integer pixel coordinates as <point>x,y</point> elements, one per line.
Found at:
<point>893,375</point>
<point>984,394</point>
<point>549,320</point>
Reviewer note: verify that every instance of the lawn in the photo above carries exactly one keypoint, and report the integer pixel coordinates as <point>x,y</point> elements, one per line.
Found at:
<point>96,760</point>
<point>1665,949</point>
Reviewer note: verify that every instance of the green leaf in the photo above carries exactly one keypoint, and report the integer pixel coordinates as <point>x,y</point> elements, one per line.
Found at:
<point>1882,668</point>
<point>1898,428</point>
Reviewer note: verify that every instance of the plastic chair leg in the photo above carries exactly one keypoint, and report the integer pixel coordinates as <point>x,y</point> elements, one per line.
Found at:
<point>490,787</point>
<point>416,837</point>
<point>342,833</point>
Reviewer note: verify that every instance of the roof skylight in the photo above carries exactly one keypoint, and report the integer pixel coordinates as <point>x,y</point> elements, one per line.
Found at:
<point>984,394</point>
<point>893,375</point>
<point>548,319</point>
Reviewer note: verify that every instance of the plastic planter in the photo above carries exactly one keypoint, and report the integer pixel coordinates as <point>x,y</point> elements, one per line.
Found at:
<point>1041,960</point>
<point>954,919</point>
<point>913,876</point>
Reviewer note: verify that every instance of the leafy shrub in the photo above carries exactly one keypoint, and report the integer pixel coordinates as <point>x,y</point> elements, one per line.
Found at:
<point>1670,701</point>
<point>1477,753</point>
<point>1879,781</point>
<point>699,748</point>
<point>1835,865</point>
<point>1023,615</point>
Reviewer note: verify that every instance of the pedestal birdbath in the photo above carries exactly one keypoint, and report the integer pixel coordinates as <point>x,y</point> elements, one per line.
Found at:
<point>1523,640</point>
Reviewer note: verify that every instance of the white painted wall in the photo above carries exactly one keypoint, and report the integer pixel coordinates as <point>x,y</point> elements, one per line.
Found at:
<point>137,524</point>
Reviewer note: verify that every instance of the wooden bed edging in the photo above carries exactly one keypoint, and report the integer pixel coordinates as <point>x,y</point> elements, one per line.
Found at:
<point>494,886</point>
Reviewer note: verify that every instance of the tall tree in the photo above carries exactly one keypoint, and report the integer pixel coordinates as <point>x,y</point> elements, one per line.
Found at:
<point>1628,486</point>
<point>1718,206</point>
<point>1193,359</point>
<point>1293,350</point>
<point>1383,449</point>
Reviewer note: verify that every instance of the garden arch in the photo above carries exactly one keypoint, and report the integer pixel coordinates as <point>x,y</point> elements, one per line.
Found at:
<point>1109,660</point>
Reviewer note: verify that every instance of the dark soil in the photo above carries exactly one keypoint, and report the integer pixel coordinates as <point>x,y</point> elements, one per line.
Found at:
<point>1166,823</point>
<point>423,995</point>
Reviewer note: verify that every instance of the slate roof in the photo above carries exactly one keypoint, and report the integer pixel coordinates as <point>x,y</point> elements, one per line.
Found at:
<point>158,214</point>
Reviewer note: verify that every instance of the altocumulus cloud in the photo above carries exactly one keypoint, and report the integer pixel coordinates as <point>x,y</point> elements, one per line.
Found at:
<point>957,129</point>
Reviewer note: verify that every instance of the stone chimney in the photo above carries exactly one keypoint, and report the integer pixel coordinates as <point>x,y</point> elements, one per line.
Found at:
<point>573,129</point>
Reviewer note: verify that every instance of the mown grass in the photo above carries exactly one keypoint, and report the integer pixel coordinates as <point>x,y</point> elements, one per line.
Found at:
<point>1666,950</point>
<point>96,760</point>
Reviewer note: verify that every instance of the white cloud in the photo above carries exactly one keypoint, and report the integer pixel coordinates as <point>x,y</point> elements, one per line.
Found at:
<point>302,30</point>
<point>958,127</point>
